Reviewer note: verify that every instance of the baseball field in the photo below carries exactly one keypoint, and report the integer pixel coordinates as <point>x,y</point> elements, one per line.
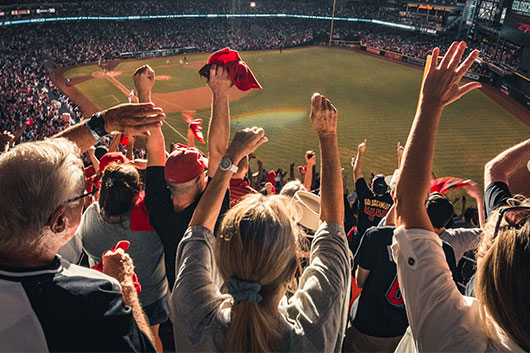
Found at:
<point>376,99</point>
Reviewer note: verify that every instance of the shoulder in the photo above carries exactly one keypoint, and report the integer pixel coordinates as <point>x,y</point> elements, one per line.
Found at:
<point>84,276</point>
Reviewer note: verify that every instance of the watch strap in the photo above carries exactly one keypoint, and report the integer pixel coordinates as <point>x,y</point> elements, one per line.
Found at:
<point>96,125</point>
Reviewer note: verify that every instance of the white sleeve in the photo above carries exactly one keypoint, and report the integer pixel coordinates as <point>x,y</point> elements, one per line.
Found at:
<point>441,319</point>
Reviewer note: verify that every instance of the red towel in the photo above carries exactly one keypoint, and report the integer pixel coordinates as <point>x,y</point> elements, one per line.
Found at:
<point>122,244</point>
<point>139,216</point>
<point>442,185</point>
<point>239,72</point>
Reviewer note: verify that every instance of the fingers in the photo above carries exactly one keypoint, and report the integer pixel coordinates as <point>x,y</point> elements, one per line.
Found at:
<point>448,56</point>
<point>364,143</point>
<point>468,88</point>
<point>462,69</point>
<point>434,58</point>
<point>458,55</point>
<point>213,70</point>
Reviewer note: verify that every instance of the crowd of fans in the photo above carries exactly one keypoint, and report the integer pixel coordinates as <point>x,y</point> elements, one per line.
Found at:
<point>28,56</point>
<point>199,253</point>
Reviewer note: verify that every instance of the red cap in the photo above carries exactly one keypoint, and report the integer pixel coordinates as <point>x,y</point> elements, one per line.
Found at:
<point>111,157</point>
<point>184,164</point>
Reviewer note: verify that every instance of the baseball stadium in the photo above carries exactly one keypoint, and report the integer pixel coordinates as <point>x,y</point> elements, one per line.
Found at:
<point>375,152</point>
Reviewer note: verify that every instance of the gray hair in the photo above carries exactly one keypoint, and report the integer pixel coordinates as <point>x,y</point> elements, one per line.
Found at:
<point>35,179</point>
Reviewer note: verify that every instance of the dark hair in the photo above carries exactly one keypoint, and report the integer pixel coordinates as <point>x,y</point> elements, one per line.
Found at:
<point>120,185</point>
<point>439,209</point>
<point>471,213</point>
<point>100,151</point>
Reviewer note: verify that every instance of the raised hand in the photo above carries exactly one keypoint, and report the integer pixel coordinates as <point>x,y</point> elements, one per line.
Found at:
<point>6,139</point>
<point>119,265</point>
<point>310,158</point>
<point>441,85</point>
<point>362,147</point>
<point>133,118</point>
<point>144,80</point>
<point>245,142</point>
<point>219,81</point>
<point>400,149</point>
<point>324,115</point>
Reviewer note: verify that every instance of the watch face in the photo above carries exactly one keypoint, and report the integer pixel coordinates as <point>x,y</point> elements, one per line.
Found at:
<point>225,163</point>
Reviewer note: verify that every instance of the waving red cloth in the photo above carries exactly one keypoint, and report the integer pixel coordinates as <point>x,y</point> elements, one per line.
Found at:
<point>442,185</point>
<point>124,245</point>
<point>239,72</point>
<point>195,126</point>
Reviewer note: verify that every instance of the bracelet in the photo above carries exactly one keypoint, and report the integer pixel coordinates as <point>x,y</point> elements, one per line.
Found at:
<point>96,125</point>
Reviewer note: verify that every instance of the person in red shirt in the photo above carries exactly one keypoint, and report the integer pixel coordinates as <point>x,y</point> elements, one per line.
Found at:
<point>239,187</point>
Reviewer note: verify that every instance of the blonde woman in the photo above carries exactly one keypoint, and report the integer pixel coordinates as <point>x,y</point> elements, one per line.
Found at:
<point>440,318</point>
<point>255,258</point>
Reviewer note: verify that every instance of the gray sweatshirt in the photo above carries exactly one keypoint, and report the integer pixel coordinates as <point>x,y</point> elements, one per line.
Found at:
<point>313,319</point>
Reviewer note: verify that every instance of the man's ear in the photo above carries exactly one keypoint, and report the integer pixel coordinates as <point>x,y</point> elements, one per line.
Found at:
<point>58,219</point>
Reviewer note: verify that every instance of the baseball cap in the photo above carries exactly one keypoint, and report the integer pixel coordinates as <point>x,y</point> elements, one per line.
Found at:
<point>111,157</point>
<point>184,164</point>
<point>379,185</point>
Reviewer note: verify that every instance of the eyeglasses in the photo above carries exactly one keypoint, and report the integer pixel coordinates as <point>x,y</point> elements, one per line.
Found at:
<point>77,198</point>
<point>515,217</point>
<point>91,193</point>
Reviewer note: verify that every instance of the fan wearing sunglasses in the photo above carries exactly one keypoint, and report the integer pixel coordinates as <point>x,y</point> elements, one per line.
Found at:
<point>441,319</point>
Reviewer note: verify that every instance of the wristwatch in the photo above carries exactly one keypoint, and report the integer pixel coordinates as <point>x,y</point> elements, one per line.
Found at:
<point>226,164</point>
<point>96,125</point>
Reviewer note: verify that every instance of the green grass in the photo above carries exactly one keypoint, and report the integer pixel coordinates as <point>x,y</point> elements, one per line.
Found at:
<point>81,71</point>
<point>102,93</point>
<point>376,100</point>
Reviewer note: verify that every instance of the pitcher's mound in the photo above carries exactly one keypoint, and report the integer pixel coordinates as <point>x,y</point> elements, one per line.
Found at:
<point>97,74</point>
<point>162,78</point>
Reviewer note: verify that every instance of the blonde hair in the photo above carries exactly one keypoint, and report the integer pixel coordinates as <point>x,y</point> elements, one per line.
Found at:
<point>257,243</point>
<point>35,179</point>
<point>502,284</point>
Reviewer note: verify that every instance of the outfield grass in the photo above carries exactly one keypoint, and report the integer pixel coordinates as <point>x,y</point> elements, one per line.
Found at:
<point>376,100</point>
<point>81,71</point>
<point>182,77</point>
<point>102,92</point>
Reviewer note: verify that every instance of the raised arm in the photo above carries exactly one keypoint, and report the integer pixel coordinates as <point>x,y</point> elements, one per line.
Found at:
<point>474,191</point>
<point>440,88</point>
<point>324,118</point>
<point>219,129</point>
<point>310,158</point>
<point>357,165</point>
<point>119,265</point>
<point>207,211</point>
<point>131,119</point>
<point>144,80</point>
<point>500,167</point>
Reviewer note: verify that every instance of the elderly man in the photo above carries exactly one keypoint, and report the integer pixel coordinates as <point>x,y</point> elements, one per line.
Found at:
<point>47,303</point>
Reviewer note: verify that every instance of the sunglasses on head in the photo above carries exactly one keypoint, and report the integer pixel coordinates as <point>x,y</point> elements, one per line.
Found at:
<point>515,216</point>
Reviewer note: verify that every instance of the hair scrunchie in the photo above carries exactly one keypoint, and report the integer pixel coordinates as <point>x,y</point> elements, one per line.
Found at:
<point>243,290</point>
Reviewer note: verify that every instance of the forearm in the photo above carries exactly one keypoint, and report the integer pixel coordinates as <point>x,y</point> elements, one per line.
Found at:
<point>331,203</point>
<point>414,180</point>
<point>78,134</point>
<point>156,156</point>
<point>130,149</point>
<point>209,206</point>
<point>95,161</point>
<point>115,143</point>
<point>308,179</point>
<point>191,138</point>
<point>505,163</point>
<point>357,167</point>
<point>130,297</point>
<point>218,130</point>
<point>144,97</point>
<point>480,210</point>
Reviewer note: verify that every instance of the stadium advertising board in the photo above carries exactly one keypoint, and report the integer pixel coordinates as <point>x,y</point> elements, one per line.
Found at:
<point>373,51</point>
<point>393,56</point>
<point>415,61</point>
<point>516,26</point>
